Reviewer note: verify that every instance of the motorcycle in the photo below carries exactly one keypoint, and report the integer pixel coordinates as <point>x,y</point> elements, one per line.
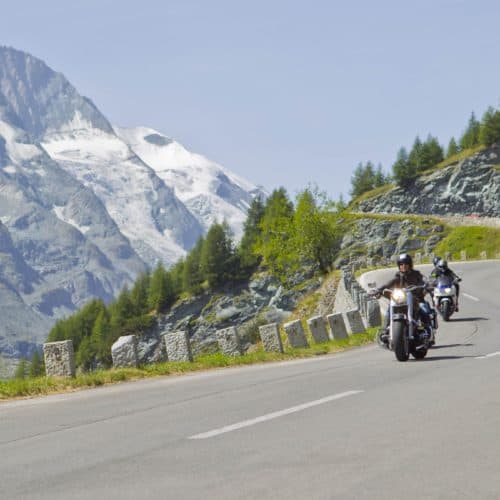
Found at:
<point>408,334</point>
<point>445,296</point>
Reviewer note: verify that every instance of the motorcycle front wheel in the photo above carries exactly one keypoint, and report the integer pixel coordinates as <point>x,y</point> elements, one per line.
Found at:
<point>446,310</point>
<point>400,341</point>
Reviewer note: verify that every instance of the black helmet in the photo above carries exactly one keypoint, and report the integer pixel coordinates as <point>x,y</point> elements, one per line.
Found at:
<point>405,258</point>
<point>442,264</point>
<point>435,260</point>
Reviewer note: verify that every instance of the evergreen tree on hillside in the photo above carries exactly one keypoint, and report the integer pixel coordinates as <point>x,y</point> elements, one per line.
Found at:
<point>379,179</point>
<point>490,127</point>
<point>316,235</point>
<point>363,179</point>
<point>431,154</point>
<point>36,368</point>
<point>415,156</point>
<point>21,370</point>
<point>252,231</point>
<point>452,149</point>
<point>404,174</point>
<point>176,273</point>
<point>470,137</point>
<point>139,294</point>
<point>218,257</point>
<point>192,275</point>
<point>121,310</point>
<point>277,231</point>
<point>161,290</point>
<point>101,339</point>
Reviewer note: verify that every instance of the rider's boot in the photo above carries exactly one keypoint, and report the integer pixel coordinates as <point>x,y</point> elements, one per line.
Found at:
<point>383,338</point>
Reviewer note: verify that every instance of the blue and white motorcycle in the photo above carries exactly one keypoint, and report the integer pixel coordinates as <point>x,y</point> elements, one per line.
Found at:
<point>445,296</point>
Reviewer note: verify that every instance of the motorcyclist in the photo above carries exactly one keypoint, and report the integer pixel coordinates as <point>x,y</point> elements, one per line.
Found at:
<point>441,269</point>
<point>404,277</point>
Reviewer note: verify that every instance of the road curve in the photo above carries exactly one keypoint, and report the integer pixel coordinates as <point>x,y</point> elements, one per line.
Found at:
<point>356,425</point>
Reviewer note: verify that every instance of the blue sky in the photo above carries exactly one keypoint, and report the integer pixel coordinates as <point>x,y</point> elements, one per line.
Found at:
<point>284,93</point>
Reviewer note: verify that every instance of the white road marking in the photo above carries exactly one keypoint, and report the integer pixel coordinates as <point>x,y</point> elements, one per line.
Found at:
<point>270,416</point>
<point>489,355</point>
<point>470,297</point>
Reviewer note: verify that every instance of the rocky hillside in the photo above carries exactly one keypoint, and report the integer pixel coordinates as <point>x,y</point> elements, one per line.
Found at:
<point>471,186</point>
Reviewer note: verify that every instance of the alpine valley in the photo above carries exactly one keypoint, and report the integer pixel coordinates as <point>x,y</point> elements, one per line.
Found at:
<point>86,206</point>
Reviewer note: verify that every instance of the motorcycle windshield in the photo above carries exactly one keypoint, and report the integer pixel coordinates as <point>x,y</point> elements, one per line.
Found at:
<point>445,281</point>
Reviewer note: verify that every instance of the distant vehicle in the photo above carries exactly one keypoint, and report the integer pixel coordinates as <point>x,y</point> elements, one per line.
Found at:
<point>445,296</point>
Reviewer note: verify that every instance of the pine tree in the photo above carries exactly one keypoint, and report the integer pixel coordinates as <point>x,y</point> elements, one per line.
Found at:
<point>21,370</point>
<point>139,294</point>
<point>277,232</point>
<point>415,156</point>
<point>36,368</point>
<point>431,153</point>
<point>490,127</point>
<point>176,273</point>
<point>252,232</point>
<point>404,173</point>
<point>316,236</point>
<point>452,149</point>
<point>101,340</point>
<point>470,137</point>
<point>192,276</point>
<point>379,178</point>
<point>218,256</point>
<point>363,179</point>
<point>161,290</point>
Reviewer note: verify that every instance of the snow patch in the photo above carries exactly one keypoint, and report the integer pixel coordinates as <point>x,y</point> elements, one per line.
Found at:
<point>59,211</point>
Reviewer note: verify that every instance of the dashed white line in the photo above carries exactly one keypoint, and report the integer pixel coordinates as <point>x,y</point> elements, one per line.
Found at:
<point>470,297</point>
<point>490,355</point>
<point>270,416</point>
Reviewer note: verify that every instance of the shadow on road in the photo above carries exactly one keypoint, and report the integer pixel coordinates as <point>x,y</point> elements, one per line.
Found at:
<point>457,320</point>
<point>443,346</point>
<point>443,358</point>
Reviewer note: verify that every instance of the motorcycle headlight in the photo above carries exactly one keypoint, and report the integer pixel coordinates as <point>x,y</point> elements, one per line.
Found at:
<point>447,290</point>
<point>399,296</point>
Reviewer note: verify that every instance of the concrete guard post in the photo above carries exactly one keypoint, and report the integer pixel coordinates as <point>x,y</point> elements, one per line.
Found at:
<point>229,341</point>
<point>59,359</point>
<point>373,315</point>
<point>355,321</point>
<point>295,334</point>
<point>337,326</point>
<point>124,352</point>
<point>178,346</point>
<point>317,328</point>
<point>271,338</point>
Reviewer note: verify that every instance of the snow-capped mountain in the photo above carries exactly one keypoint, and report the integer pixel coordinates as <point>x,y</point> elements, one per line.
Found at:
<point>211,192</point>
<point>86,207</point>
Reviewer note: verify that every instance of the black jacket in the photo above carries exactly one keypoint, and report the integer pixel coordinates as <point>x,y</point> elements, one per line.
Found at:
<point>438,271</point>
<point>412,277</point>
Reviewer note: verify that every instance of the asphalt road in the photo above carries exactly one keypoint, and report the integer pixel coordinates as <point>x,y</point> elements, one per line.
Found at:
<point>356,425</point>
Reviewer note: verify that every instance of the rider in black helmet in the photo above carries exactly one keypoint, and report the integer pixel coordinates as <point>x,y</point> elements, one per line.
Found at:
<point>441,268</point>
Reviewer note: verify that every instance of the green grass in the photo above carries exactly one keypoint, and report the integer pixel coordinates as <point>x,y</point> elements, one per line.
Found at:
<point>10,389</point>
<point>462,155</point>
<point>472,239</point>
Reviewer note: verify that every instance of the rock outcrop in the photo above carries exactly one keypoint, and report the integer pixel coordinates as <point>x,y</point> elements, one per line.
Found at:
<point>469,187</point>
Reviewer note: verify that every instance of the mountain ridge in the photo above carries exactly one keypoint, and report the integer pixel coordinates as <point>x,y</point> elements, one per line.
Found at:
<point>84,213</point>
